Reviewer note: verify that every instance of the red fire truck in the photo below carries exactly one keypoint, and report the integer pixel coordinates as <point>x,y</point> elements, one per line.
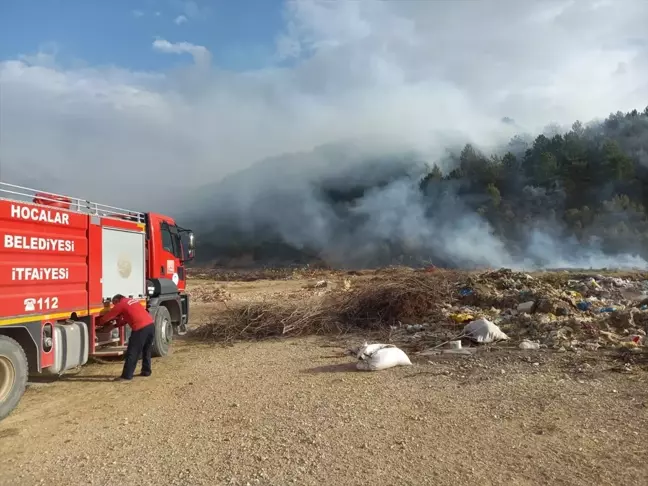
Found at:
<point>61,261</point>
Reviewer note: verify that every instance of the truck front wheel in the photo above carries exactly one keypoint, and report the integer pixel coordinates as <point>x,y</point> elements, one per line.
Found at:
<point>13,375</point>
<point>163,332</point>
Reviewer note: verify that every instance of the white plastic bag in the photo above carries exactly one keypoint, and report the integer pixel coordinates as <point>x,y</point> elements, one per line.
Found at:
<point>484,331</point>
<point>376,357</point>
<point>526,344</point>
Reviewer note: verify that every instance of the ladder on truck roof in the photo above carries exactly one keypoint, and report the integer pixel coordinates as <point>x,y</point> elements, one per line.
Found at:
<point>49,199</point>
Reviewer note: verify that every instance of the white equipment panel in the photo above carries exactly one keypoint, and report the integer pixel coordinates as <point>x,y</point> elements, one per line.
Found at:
<point>123,263</point>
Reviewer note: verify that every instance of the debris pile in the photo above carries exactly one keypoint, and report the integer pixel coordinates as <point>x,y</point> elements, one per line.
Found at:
<point>555,310</point>
<point>378,304</point>
<point>561,311</point>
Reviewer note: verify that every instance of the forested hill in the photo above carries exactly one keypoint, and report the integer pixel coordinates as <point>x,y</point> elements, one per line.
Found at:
<point>562,199</point>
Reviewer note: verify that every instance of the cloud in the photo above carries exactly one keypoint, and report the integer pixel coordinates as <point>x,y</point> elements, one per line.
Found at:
<point>137,13</point>
<point>191,9</point>
<point>46,55</point>
<point>200,54</point>
<point>180,19</point>
<point>408,72</point>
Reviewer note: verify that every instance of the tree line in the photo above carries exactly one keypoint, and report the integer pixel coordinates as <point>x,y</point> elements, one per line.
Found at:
<point>591,181</point>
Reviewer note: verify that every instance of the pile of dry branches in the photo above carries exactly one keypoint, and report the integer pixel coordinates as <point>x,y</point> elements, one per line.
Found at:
<point>373,305</point>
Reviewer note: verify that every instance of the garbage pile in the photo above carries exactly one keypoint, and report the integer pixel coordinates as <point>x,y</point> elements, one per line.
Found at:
<point>423,309</point>
<point>560,311</point>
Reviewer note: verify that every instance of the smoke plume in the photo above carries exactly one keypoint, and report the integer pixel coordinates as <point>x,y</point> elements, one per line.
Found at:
<point>353,207</point>
<point>345,103</point>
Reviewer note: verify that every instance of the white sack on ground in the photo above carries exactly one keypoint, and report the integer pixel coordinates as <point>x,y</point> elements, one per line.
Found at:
<point>367,349</point>
<point>376,357</point>
<point>484,331</point>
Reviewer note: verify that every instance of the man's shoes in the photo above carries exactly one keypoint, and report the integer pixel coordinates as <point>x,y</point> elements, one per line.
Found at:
<point>121,379</point>
<point>145,374</point>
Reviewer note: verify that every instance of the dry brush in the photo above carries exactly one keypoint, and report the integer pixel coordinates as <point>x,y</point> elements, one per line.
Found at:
<point>371,305</point>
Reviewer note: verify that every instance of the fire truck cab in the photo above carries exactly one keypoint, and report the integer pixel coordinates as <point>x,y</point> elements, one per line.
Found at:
<point>61,261</point>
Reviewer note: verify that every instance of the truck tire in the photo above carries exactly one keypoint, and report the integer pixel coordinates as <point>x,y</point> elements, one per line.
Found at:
<point>13,375</point>
<point>163,332</point>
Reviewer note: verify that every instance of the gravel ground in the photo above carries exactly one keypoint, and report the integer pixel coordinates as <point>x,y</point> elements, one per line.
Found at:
<point>294,412</point>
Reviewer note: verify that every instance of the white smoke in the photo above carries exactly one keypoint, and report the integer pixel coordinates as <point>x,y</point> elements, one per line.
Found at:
<point>414,74</point>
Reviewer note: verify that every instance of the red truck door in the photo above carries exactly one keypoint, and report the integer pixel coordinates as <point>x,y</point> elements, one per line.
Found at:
<point>166,251</point>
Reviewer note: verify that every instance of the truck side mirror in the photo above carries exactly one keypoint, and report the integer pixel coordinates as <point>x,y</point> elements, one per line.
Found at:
<point>191,253</point>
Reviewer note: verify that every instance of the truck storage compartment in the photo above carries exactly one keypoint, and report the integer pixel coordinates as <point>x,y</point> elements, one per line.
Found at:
<point>71,343</point>
<point>123,263</point>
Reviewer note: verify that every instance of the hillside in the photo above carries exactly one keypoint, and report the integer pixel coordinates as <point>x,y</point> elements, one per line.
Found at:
<point>561,199</point>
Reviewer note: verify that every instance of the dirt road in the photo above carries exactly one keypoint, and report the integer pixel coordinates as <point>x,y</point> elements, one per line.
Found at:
<point>295,413</point>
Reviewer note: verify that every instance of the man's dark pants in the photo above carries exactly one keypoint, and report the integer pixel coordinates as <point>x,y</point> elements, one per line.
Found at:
<point>139,343</point>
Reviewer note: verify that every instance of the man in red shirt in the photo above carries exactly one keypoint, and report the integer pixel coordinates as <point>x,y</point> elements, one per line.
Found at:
<point>131,312</point>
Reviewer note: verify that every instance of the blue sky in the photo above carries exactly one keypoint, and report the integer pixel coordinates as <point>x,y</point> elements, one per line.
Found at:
<point>239,34</point>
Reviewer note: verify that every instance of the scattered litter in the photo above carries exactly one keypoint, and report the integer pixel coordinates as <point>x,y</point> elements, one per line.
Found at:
<point>637,339</point>
<point>461,317</point>
<point>584,305</point>
<point>526,307</point>
<point>463,351</point>
<point>531,345</point>
<point>415,327</point>
<point>437,351</point>
<point>562,311</point>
